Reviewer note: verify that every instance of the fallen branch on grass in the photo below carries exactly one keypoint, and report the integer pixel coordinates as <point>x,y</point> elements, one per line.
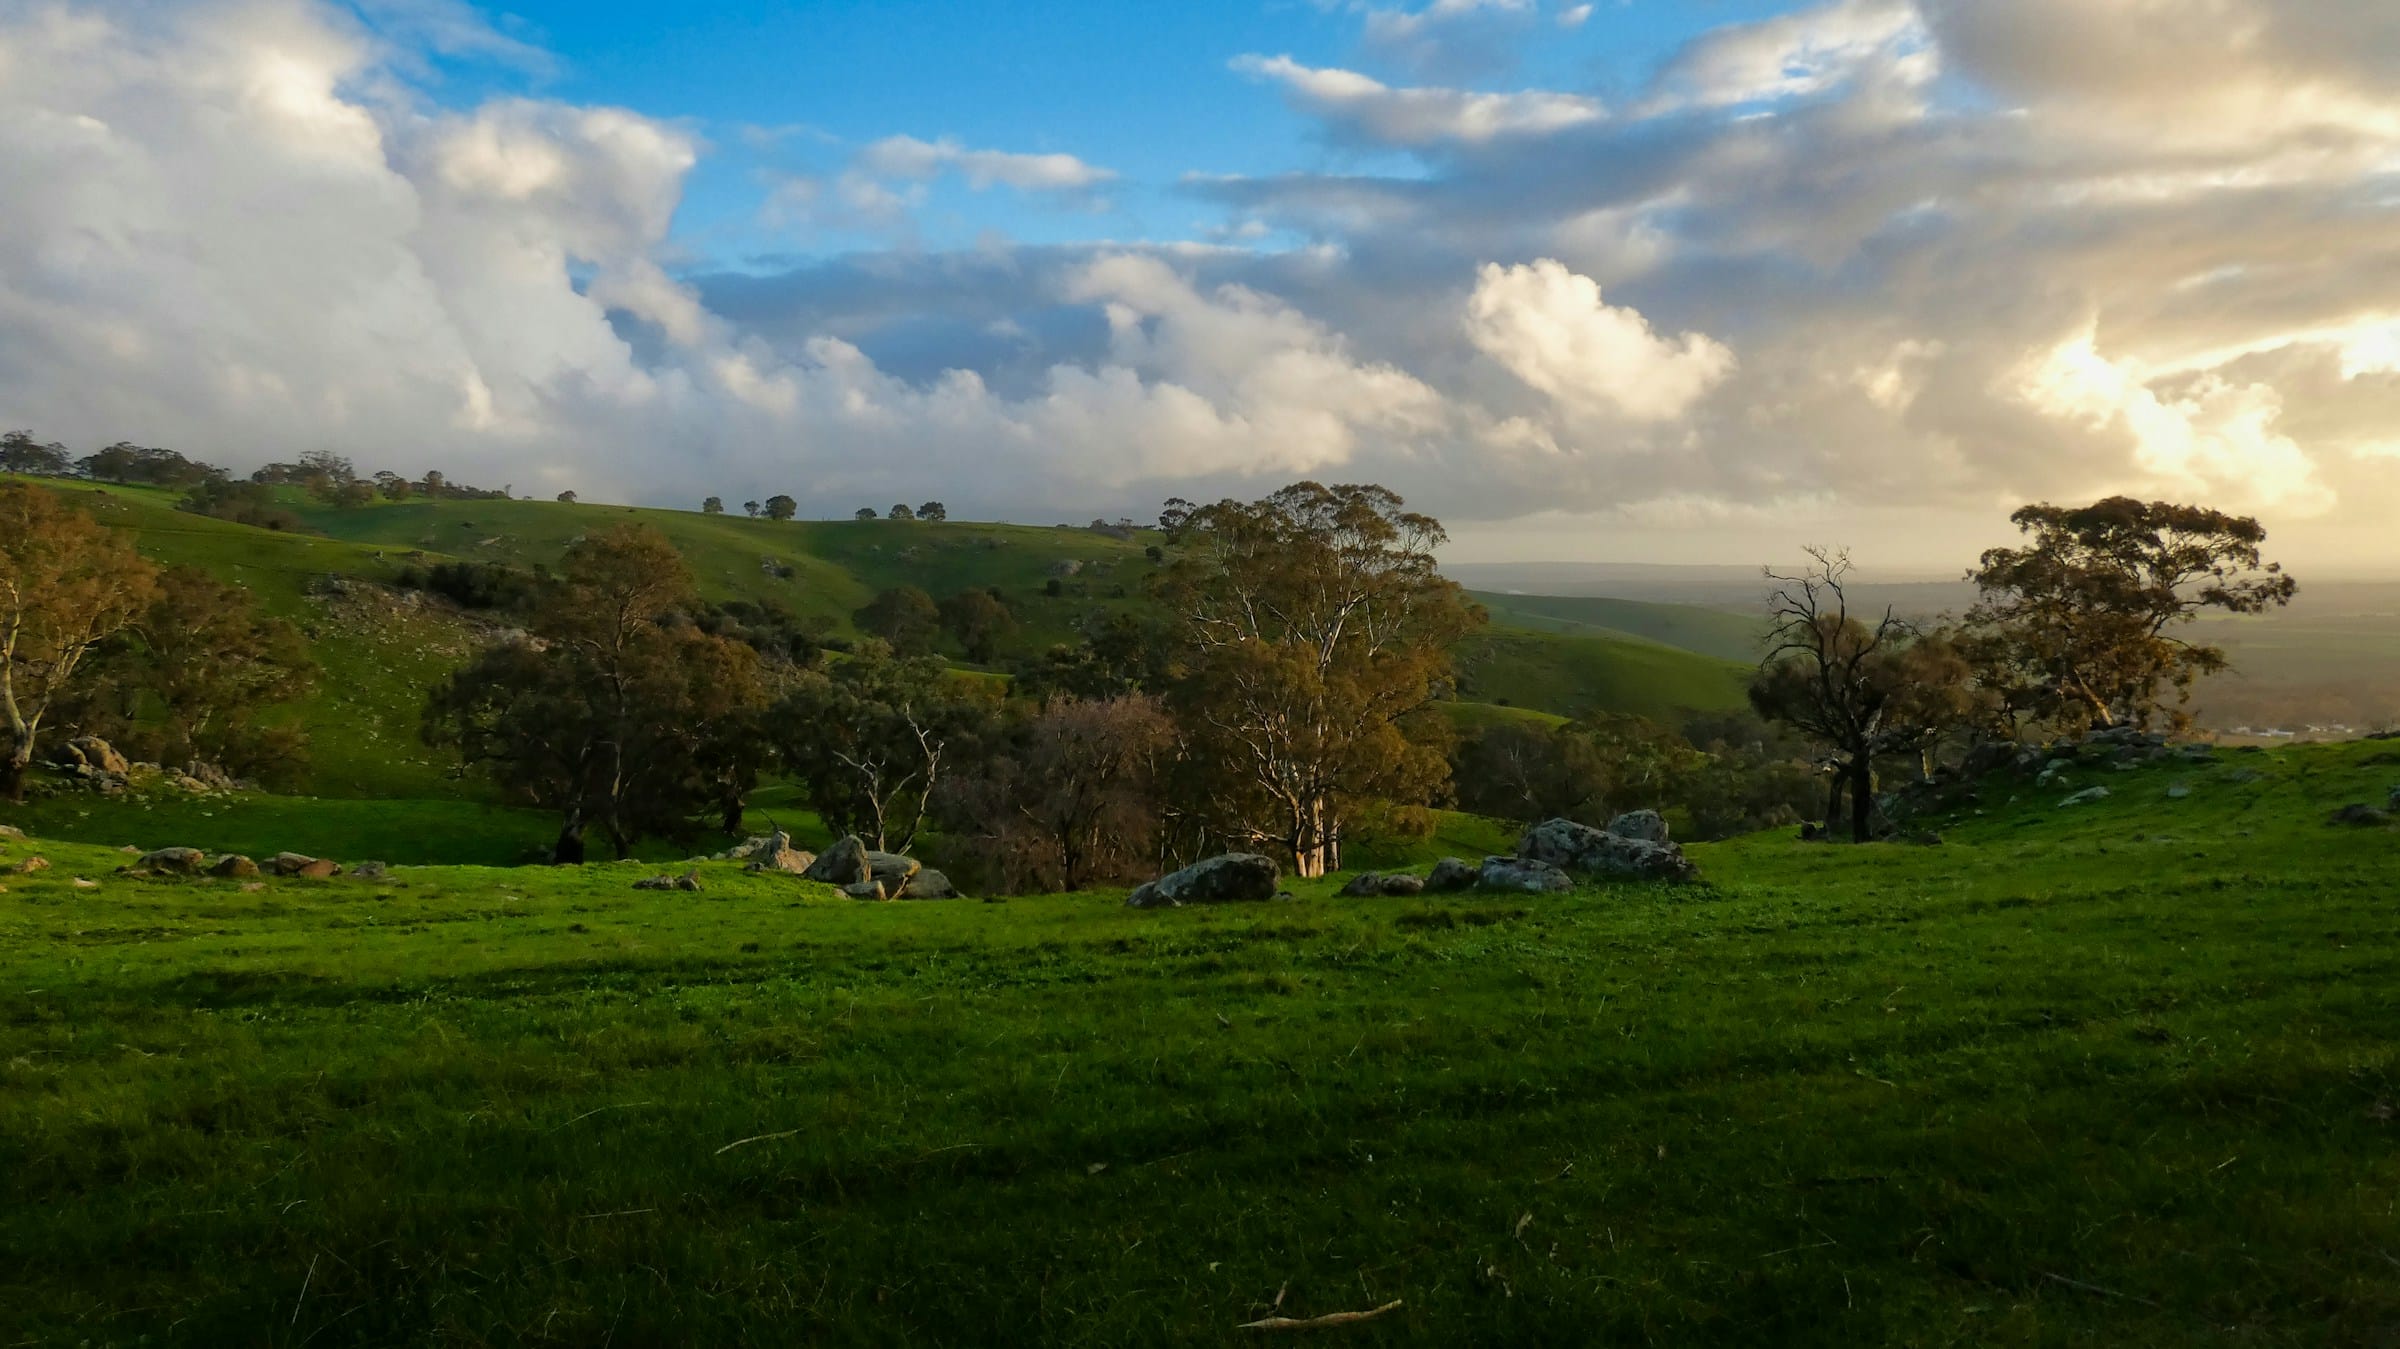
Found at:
<point>1326,1321</point>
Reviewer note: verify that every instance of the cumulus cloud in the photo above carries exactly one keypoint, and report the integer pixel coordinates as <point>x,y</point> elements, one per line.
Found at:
<point>1449,39</point>
<point>1867,262</point>
<point>1370,110</point>
<point>1551,329</point>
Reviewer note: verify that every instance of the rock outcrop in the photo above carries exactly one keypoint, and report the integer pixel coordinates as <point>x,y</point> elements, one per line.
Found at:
<point>1522,875</point>
<point>1369,884</point>
<point>776,853</point>
<point>1450,875</point>
<point>928,884</point>
<point>845,863</point>
<point>171,862</point>
<point>234,867</point>
<point>1579,848</point>
<point>1232,878</point>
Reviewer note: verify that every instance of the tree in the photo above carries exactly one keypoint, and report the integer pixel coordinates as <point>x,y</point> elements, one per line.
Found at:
<point>66,586</point>
<point>868,742</point>
<point>903,616</point>
<point>1073,798</point>
<point>900,511</point>
<point>127,462</point>
<point>2078,627</point>
<point>751,509</point>
<point>435,483</point>
<point>616,713</point>
<point>1861,691</point>
<point>1316,634</point>
<point>715,506</point>
<point>866,513</point>
<point>191,681</point>
<point>1591,770</point>
<point>566,498</point>
<point>934,511</point>
<point>20,454</point>
<point>781,507</point>
<point>393,486</point>
<point>980,622</point>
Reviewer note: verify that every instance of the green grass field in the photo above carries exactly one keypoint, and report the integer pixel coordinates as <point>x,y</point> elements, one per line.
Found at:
<point>1720,633</point>
<point>2124,1073</point>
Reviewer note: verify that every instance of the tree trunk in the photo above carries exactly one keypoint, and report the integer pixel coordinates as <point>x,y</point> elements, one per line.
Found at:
<point>12,776</point>
<point>1862,801</point>
<point>1833,802</point>
<point>568,850</point>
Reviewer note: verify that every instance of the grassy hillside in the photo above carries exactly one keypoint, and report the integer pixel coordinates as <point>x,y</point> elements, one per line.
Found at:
<point>1710,632</point>
<point>2123,1073</point>
<point>1575,675</point>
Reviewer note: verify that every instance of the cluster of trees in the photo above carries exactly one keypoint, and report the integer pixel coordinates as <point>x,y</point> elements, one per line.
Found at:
<point>168,664</point>
<point>781,507</point>
<point>2080,627</point>
<point>213,491</point>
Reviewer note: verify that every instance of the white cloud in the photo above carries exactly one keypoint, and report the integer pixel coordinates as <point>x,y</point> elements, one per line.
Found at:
<point>1551,328</point>
<point>1793,55</point>
<point>908,157</point>
<point>1420,116</point>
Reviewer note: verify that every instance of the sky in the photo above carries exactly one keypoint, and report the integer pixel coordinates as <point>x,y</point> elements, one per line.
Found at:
<point>1630,280</point>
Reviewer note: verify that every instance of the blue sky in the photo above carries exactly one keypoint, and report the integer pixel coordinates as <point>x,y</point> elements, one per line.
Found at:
<point>1146,91</point>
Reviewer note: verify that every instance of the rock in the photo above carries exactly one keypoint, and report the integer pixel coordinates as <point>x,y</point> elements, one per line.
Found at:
<point>234,867</point>
<point>1523,875</point>
<point>27,867</point>
<point>319,869</point>
<point>289,863</point>
<point>93,753</point>
<point>1449,876</point>
<point>845,863</point>
<point>172,862</point>
<point>2179,791</point>
<point>776,853</point>
<point>81,884</point>
<point>1232,878</point>
<point>371,871</point>
<point>2243,777</point>
<point>1579,847</point>
<point>869,888</point>
<point>10,831</point>
<point>689,880</point>
<point>2086,797</point>
<point>1648,826</point>
<point>892,869</point>
<point>928,884</point>
<point>1369,884</point>
<point>2362,816</point>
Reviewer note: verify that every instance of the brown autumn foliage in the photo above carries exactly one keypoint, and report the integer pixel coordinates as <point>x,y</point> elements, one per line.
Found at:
<point>67,586</point>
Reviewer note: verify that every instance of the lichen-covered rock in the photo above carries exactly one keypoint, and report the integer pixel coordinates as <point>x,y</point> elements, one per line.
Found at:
<point>1238,877</point>
<point>1369,884</point>
<point>1522,875</point>
<point>928,884</point>
<point>1574,847</point>
<point>845,863</point>
<point>234,867</point>
<point>1646,825</point>
<point>1449,876</point>
<point>776,853</point>
<point>172,862</point>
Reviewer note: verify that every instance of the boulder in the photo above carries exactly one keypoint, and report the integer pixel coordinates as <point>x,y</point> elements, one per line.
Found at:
<point>2087,796</point>
<point>1232,878</point>
<point>234,867</point>
<point>1368,884</point>
<point>1647,826</point>
<point>1580,848</point>
<point>1449,876</point>
<point>289,863</point>
<point>845,863</point>
<point>870,888</point>
<point>892,870</point>
<point>26,868</point>
<point>172,862</point>
<point>1522,875</point>
<point>93,753</point>
<point>10,831</point>
<point>776,853</point>
<point>2362,816</point>
<point>928,884</point>
<point>371,871</point>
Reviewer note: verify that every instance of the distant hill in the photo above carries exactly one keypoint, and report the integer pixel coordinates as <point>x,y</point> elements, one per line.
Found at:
<point>1709,632</point>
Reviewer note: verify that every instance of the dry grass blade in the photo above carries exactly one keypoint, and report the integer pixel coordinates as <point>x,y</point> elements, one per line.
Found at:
<point>754,1138</point>
<point>1325,1322</point>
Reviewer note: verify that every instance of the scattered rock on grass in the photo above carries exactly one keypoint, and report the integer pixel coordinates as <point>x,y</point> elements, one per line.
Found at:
<point>869,888</point>
<point>1372,883</point>
<point>371,871</point>
<point>776,853</point>
<point>845,863</point>
<point>1523,875</point>
<point>1232,878</point>
<point>2086,797</point>
<point>689,881</point>
<point>1449,876</point>
<point>929,884</point>
<point>234,867</point>
<point>2362,816</point>
<point>26,868</point>
<point>171,862</point>
<point>1570,846</point>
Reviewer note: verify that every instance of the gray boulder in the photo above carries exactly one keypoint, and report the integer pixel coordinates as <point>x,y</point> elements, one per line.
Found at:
<point>172,862</point>
<point>1522,875</point>
<point>1231,878</point>
<point>1647,826</point>
<point>371,871</point>
<point>776,853</point>
<point>1449,876</point>
<point>10,831</point>
<point>845,863</point>
<point>928,884</point>
<point>869,888</point>
<point>689,881</point>
<point>1368,884</point>
<point>1598,852</point>
<point>892,869</point>
<point>2086,797</point>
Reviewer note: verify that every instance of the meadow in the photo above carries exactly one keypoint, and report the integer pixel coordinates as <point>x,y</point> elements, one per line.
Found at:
<point>2120,1073</point>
